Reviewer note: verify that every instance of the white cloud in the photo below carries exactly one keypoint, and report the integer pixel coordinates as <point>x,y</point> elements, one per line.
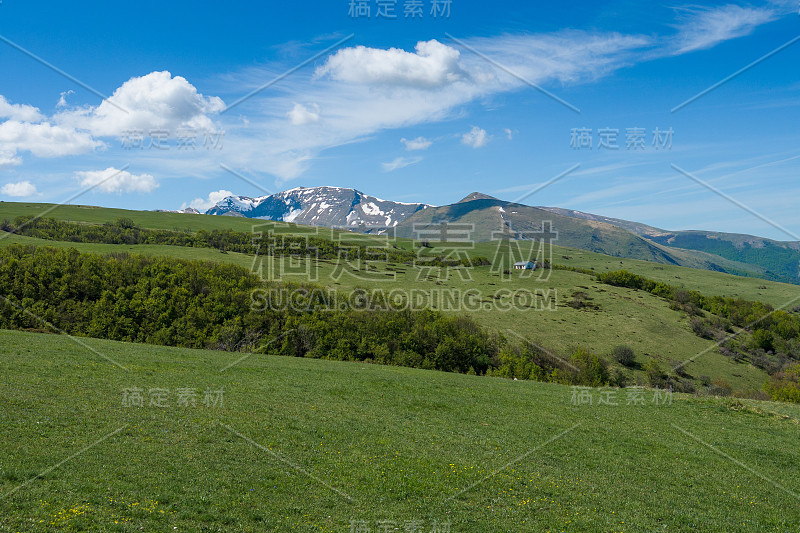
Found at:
<point>62,101</point>
<point>703,28</point>
<point>400,162</point>
<point>19,189</point>
<point>204,205</point>
<point>300,114</point>
<point>420,143</point>
<point>45,139</point>
<point>9,159</point>
<point>112,180</point>
<point>509,133</point>
<point>156,101</point>
<point>27,130</point>
<point>476,137</point>
<point>433,65</point>
<point>19,112</point>
<point>366,90</point>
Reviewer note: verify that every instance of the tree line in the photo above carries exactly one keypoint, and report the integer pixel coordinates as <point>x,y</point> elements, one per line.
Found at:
<point>126,231</point>
<point>201,304</point>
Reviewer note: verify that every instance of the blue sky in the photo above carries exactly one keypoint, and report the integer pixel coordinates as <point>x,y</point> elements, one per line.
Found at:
<point>428,109</point>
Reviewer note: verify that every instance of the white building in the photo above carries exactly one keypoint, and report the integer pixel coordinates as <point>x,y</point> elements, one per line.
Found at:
<point>525,265</point>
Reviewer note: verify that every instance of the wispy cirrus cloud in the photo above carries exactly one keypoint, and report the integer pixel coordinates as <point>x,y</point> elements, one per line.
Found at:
<point>703,28</point>
<point>420,143</point>
<point>364,91</point>
<point>400,162</point>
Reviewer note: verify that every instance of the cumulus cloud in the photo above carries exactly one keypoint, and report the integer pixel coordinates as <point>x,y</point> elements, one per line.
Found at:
<point>45,139</point>
<point>9,159</point>
<point>400,162</point>
<point>19,189</point>
<point>509,133</point>
<point>19,112</point>
<point>703,28</point>
<point>204,204</point>
<point>432,65</point>
<point>420,143</point>
<point>112,180</point>
<point>300,114</point>
<point>475,138</point>
<point>156,101</point>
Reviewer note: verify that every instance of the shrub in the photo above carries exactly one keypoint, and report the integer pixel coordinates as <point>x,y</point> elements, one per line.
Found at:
<point>581,300</point>
<point>624,355</point>
<point>678,367</point>
<point>720,387</point>
<point>785,386</point>
<point>618,378</point>
<point>592,369</point>
<point>762,339</point>
<point>700,328</point>
<point>655,376</point>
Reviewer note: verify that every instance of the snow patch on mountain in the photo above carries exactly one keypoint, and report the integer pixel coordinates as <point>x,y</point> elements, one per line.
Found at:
<point>320,206</point>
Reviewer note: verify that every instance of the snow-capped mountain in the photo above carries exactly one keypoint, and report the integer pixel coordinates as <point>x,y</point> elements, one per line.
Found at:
<point>320,206</point>
<point>186,210</point>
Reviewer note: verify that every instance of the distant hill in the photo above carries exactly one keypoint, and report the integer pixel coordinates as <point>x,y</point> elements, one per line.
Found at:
<point>492,218</point>
<point>774,260</point>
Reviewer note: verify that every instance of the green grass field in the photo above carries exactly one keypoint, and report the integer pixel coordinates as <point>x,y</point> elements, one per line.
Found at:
<point>313,445</point>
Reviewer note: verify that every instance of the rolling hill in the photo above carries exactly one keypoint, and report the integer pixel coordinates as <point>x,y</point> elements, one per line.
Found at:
<point>646,322</point>
<point>771,259</point>
<point>337,207</point>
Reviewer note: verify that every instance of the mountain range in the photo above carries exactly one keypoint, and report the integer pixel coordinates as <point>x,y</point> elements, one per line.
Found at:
<point>320,206</point>
<point>491,218</point>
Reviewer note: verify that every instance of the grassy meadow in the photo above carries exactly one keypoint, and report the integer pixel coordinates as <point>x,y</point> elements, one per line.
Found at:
<point>294,444</point>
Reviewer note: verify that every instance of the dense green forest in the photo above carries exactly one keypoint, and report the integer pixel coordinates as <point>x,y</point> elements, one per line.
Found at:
<point>173,302</point>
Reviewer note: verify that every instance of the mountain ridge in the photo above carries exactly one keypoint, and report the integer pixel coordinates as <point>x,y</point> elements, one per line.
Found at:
<point>491,218</point>
<point>320,206</point>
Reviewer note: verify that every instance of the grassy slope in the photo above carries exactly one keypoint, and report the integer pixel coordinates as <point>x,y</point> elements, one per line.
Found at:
<point>638,319</point>
<point>400,443</point>
<point>486,218</point>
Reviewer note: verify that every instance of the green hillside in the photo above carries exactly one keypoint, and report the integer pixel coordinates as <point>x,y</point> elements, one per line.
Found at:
<point>749,255</point>
<point>310,445</point>
<point>490,216</point>
<point>616,316</point>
